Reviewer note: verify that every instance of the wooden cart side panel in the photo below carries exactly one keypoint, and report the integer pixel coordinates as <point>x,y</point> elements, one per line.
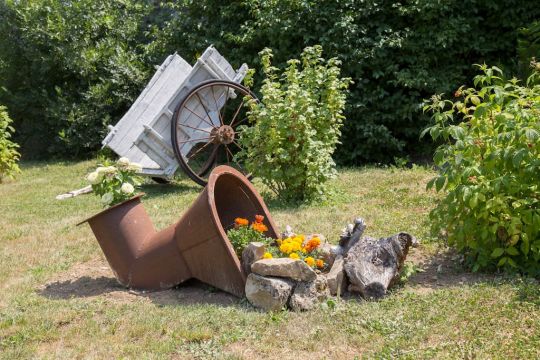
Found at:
<point>146,107</point>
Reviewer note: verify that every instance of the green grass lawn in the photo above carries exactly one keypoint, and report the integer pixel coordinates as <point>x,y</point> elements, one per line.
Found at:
<point>58,298</point>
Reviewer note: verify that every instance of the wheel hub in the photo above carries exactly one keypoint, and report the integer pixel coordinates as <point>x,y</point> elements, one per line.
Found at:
<point>223,135</point>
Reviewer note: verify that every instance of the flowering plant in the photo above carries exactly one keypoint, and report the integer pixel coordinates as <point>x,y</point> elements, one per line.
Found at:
<point>115,183</point>
<point>243,233</point>
<point>293,246</point>
<point>298,247</point>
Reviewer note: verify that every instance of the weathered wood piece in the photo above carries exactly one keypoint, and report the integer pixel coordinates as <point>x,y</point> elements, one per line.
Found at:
<point>73,193</point>
<point>373,265</point>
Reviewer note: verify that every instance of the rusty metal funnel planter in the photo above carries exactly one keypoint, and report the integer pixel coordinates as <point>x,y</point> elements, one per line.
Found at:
<point>195,247</point>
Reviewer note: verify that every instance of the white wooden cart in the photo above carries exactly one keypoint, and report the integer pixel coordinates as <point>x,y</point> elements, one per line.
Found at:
<point>186,116</point>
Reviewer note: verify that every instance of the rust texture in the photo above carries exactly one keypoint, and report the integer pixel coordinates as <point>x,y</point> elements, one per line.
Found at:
<point>195,247</point>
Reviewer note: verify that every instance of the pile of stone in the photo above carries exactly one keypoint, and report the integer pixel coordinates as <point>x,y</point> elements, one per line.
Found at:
<point>358,265</point>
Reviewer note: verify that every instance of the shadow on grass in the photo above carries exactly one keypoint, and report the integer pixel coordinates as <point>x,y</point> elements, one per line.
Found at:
<point>155,190</point>
<point>191,292</point>
<point>442,270</point>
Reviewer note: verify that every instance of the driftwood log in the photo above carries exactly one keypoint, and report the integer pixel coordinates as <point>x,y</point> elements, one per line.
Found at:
<point>372,265</point>
<point>73,193</point>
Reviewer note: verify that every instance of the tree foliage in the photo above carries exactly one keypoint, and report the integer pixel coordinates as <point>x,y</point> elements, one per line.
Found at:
<point>68,68</point>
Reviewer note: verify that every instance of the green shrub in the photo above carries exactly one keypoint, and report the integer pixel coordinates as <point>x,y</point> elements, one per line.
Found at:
<point>8,149</point>
<point>490,168</point>
<point>296,126</point>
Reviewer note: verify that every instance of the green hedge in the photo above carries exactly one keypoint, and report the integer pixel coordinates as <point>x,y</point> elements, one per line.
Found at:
<point>397,53</point>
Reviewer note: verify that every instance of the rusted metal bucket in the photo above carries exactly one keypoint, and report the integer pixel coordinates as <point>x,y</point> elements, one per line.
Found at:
<point>195,247</point>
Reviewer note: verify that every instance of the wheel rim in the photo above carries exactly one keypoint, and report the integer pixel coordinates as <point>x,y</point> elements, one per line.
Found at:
<point>205,127</point>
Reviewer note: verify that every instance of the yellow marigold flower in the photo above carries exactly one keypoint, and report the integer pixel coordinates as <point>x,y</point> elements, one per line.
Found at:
<point>310,261</point>
<point>267,255</point>
<point>320,263</point>
<point>241,222</point>
<point>279,241</point>
<point>294,256</point>
<point>285,248</point>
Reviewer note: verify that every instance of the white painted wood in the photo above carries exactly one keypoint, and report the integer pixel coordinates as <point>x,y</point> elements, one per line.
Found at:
<point>143,134</point>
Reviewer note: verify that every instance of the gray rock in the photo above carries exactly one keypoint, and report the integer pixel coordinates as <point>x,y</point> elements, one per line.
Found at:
<point>308,294</point>
<point>373,265</point>
<point>284,267</point>
<point>337,281</point>
<point>329,253</point>
<point>270,294</point>
<point>253,252</point>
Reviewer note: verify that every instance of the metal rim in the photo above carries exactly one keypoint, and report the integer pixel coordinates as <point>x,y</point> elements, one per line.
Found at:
<point>220,130</point>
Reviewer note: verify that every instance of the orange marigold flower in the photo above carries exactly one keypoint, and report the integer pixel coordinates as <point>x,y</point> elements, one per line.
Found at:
<point>241,222</point>
<point>310,261</point>
<point>312,244</point>
<point>259,227</point>
<point>320,263</point>
<point>259,219</point>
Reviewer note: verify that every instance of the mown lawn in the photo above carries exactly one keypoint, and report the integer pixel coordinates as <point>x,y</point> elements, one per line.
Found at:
<point>58,298</point>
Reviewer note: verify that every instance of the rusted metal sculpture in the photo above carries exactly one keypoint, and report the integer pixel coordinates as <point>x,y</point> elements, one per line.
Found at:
<point>195,247</point>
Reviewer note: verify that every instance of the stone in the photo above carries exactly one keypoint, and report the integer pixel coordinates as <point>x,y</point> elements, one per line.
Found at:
<point>372,265</point>
<point>270,294</point>
<point>284,267</point>
<point>336,279</point>
<point>252,252</point>
<point>309,294</point>
<point>329,252</point>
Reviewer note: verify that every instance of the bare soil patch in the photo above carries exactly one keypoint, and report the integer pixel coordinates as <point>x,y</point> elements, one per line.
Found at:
<point>95,278</point>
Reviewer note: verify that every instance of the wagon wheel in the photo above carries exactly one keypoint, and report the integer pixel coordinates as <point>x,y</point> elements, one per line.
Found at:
<point>204,129</point>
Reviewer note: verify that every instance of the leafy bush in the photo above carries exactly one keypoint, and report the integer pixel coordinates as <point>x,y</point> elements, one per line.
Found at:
<point>296,125</point>
<point>490,167</point>
<point>8,149</point>
<point>115,183</point>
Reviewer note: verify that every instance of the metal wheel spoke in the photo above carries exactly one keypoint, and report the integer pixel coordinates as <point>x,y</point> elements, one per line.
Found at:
<point>217,106</point>
<point>225,103</point>
<point>241,121</point>
<point>236,113</point>
<point>198,129</point>
<point>197,115</point>
<point>199,150</point>
<point>191,140</point>
<point>204,107</point>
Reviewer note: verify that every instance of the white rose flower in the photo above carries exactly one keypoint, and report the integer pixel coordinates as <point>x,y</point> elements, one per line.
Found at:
<point>123,162</point>
<point>107,198</point>
<point>127,188</point>
<point>94,178</point>
<point>134,167</point>
<point>101,170</point>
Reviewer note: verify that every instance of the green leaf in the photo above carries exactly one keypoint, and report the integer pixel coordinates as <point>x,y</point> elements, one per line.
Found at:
<point>497,253</point>
<point>439,183</point>
<point>512,251</point>
<point>502,261</point>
